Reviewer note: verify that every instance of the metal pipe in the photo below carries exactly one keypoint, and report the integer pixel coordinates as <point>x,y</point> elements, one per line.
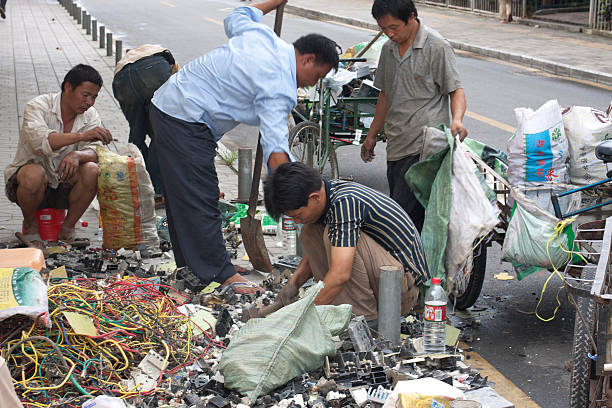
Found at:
<point>102,36</point>
<point>88,24</point>
<point>109,44</point>
<point>245,173</point>
<point>83,18</point>
<point>72,9</point>
<point>94,30</point>
<point>118,51</point>
<point>390,303</point>
<point>78,15</point>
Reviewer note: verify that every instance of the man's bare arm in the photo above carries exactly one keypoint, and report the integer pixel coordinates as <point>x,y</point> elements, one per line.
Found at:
<point>276,159</point>
<point>59,140</point>
<point>380,114</point>
<point>339,273</point>
<point>302,272</point>
<point>458,106</point>
<point>268,6</point>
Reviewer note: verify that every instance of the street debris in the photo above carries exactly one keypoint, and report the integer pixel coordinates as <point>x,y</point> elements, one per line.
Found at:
<point>503,276</point>
<point>135,331</point>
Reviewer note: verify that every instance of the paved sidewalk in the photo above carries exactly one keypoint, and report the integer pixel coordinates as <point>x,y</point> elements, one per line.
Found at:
<point>41,42</point>
<point>577,55</point>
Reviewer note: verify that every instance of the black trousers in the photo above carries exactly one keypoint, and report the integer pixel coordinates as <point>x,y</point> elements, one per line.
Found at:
<point>134,87</point>
<point>401,193</point>
<point>186,153</point>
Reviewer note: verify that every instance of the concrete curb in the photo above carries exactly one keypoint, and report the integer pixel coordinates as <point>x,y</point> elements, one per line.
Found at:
<point>541,64</point>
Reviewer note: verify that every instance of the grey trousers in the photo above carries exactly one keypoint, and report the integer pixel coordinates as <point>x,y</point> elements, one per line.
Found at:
<point>361,290</point>
<point>186,153</point>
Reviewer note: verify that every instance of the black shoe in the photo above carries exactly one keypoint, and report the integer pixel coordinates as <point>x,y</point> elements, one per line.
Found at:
<point>2,13</point>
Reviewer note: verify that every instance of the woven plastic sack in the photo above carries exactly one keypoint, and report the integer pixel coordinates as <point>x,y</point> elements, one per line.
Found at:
<point>585,129</point>
<point>22,292</point>
<point>528,244</point>
<point>472,213</point>
<point>538,150</point>
<point>266,353</point>
<point>126,196</point>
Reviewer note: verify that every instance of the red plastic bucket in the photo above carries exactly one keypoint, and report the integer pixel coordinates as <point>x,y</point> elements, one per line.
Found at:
<point>50,221</point>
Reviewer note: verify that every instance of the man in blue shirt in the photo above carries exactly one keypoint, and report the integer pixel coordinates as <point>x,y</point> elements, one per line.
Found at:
<point>253,79</point>
<point>349,231</point>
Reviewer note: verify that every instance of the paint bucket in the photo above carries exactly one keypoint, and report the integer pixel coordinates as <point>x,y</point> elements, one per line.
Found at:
<point>465,404</point>
<point>50,221</point>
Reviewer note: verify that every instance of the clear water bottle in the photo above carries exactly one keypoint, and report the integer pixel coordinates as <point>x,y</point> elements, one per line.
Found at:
<point>279,232</point>
<point>434,318</point>
<point>289,235</point>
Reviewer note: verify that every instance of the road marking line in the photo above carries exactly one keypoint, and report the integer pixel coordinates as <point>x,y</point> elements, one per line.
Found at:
<point>227,9</point>
<point>349,26</point>
<point>165,3</point>
<point>489,121</point>
<point>212,20</point>
<point>503,386</point>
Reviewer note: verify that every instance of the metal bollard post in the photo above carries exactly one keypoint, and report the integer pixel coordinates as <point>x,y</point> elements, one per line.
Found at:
<point>88,24</point>
<point>72,9</point>
<point>118,51</point>
<point>109,44</point>
<point>94,30</point>
<point>102,36</point>
<point>78,15</point>
<point>245,173</point>
<point>83,18</point>
<point>390,303</point>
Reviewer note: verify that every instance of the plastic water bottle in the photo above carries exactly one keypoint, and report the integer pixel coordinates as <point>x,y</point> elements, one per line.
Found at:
<point>279,232</point>
<point>434,318</point>
<point>289,235</point>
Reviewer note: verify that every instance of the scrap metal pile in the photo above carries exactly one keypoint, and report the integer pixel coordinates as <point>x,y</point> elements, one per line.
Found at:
<point>153,337</point>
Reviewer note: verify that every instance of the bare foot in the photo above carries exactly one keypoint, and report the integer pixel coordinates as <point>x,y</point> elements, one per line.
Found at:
<point>242,286</point>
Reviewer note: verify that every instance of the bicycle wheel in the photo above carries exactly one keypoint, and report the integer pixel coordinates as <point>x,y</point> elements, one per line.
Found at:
<point>469,283</point>
<point>580,384</point>
<point>304,143</point>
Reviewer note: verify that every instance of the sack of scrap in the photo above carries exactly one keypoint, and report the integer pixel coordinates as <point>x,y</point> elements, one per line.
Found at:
<point>126,196</point>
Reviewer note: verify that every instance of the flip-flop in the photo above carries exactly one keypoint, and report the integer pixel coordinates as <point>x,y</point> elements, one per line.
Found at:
<point>73,241</point>
<point>32,241</point>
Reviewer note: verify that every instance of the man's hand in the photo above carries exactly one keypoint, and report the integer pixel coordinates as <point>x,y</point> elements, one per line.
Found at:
<point>367,148</point>
<point>68,167</point>
<point>288,294</point>
<point>457,128</point>
<point>97,133</point>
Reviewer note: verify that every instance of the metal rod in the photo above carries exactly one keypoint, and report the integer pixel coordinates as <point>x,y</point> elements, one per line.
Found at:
<point>118,51</point>
<point>72,9</point>
<point>102,36</point>
<point>88,24</point>
<point>390,303</point>
<point>245,173</point>
<point>94,30</point>
<point>83,18</point>
<point>78,15</point>
<point>109,44</point>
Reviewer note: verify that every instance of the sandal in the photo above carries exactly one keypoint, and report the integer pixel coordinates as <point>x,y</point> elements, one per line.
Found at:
<point>75,242</point>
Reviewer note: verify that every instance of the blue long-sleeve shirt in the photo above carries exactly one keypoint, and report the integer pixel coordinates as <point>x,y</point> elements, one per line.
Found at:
<point>251,80</point>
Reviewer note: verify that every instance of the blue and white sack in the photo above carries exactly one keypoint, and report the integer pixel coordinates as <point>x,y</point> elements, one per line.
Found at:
<point>538,152</point>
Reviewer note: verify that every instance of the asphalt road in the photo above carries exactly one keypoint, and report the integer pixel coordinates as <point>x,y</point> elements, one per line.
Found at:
<point>528,351</point>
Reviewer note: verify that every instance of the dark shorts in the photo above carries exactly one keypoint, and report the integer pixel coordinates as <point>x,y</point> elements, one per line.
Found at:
<point>54,197</point>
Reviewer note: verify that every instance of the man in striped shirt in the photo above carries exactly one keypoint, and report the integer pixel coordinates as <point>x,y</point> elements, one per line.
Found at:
<point>349,232</point>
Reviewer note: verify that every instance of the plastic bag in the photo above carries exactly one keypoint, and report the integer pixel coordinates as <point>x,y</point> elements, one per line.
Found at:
<point>22,291</point>
<point>472,214</point>
<point>126,196</point>
<point>287,343</point>
<point>527,244</point>
<point>586,128</point>
<point>538,151</point>
<point>104,401</point>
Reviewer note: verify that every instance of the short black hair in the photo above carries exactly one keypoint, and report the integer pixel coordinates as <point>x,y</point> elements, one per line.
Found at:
<point>326,51</point>
<point>288,186</point>
<point>400,9</point>
<point>82,73</point>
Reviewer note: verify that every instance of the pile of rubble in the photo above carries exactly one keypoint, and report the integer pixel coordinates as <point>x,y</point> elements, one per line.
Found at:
<point>152,336</point>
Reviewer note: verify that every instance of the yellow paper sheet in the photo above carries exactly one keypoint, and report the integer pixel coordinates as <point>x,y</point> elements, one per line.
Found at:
<point>81,324</point>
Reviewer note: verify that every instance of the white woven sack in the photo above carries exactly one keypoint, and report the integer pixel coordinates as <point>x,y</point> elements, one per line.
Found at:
<point>538,150</point>
<point>585,128</point>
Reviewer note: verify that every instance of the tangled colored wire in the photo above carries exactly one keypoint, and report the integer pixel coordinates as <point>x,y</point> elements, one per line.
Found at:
<point>58,367</point>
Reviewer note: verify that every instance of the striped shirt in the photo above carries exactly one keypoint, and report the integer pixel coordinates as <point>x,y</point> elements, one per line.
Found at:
<point>353,208</point>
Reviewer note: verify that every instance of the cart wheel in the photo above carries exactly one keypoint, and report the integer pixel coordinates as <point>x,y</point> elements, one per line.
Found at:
<point>304,142</point>
<point>469,287</point>
<point>580,383</point>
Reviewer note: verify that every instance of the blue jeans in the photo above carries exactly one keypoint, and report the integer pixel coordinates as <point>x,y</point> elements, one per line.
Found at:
<point>134,87</point>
